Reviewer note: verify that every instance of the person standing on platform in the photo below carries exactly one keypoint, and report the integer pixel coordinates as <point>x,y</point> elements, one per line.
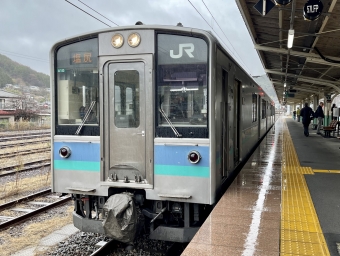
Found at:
<point>332,116</point>
<point>294,114</point>
<point>320,115</point>
<point>298,111</point>
<point>307,114</point>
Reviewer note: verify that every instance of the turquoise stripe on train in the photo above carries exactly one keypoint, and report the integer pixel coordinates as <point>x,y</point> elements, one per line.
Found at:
<point>175,170</point>
<point>69,165</point>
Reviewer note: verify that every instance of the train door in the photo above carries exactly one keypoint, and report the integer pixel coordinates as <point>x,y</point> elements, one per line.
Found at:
<point>224,123</point>
<point>266,114</point>
<point>126,144</point>
<point>237,117</point>
<point>259,116</point>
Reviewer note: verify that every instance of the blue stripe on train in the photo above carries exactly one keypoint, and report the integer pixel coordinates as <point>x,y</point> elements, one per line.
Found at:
<point>178,155</point>
<point>80,151</point>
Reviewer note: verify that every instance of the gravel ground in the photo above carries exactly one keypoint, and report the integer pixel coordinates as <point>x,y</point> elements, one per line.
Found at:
<point>81,244</point>
<point>16,231</point>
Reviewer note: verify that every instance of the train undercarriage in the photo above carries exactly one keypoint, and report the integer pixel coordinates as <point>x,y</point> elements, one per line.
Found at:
<point>124,215</point>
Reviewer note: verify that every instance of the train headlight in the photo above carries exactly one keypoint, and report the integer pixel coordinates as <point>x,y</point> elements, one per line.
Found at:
<point>117,41</point>
<point>65,152</point>
<point>194,157</point>
<point>134,39</point>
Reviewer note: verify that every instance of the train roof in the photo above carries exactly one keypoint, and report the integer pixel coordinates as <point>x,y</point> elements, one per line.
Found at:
<point>184,30</point>
<point>169,28</point>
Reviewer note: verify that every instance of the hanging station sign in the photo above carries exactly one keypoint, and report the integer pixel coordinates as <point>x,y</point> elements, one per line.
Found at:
<point>312,10</point>
<point>264,6</point>
<point>282,2</point>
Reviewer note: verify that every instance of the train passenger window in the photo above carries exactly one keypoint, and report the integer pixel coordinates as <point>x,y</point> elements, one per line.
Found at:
<point>126,98</point>
<point>77,84</point>
<point>182,91</point>
<point>264,109</point>
<point>254,105</point>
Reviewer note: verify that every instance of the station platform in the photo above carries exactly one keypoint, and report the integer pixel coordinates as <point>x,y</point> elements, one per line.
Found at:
<point>284,201</point>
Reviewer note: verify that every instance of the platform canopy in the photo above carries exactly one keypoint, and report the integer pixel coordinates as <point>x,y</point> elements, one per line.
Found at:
<point>312,65</point>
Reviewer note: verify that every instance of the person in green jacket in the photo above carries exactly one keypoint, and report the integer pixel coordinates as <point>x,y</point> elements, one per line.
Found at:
<point>298,114</point>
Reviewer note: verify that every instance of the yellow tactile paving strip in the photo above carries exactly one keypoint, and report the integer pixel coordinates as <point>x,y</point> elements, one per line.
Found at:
<point>301,232</point>
<point>326,171</point>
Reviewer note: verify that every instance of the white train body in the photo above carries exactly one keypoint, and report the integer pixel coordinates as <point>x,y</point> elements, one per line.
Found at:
<point>168,120</point>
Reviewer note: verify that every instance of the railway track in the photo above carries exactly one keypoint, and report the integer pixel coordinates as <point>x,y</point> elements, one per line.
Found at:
<point>10,137</point>
<point>31,207</point>
<point>4,145</point>
<point>24,152</point>
<point>105,248</point>
<point>8,170</point>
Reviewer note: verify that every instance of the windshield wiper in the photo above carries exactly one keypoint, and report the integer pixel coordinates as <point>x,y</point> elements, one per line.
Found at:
<point>85,117</point>
<point>169,122</point>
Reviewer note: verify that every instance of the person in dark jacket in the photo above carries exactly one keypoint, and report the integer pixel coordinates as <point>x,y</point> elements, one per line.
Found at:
<point>332,114</point>
<point>306,113</point>
<point>320,115</point>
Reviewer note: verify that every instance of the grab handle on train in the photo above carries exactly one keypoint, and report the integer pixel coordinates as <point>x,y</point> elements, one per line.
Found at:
<point>141,133</point>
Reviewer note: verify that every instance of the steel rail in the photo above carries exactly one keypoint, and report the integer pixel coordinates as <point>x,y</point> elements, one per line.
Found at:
<point>33,213</point>
<point>23,136</point>
<point>25,198</point>
<point>13,166</point>
<point>24,141</point>
<point>24,152</point>
<point>105,249</point>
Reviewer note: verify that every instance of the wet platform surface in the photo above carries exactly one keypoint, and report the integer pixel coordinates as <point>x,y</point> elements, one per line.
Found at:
<point>246,220</point>
<point>269,209</point>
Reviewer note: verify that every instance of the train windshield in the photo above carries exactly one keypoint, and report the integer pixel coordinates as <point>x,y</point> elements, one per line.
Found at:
<point>77,84</point>
<point>182,66</point>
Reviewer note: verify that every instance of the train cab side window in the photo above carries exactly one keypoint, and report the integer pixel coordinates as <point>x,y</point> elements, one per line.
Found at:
<point>182,87</point>
<point>77,84</point>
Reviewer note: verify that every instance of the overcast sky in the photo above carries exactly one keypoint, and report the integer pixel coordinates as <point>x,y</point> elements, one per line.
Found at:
<point>29,28</point>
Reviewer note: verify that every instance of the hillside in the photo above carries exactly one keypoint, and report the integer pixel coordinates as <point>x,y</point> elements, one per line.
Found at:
<point>12,72</point>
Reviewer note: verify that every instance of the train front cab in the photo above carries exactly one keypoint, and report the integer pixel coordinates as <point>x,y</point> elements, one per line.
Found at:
<point>114,128</point>
<point>159,120</point>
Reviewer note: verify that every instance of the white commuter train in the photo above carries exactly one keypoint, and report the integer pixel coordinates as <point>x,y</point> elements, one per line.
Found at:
<point>148,123</point>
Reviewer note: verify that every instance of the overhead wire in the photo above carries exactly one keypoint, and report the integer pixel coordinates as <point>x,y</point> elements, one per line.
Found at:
<point>206,22</point>
<point>214,30</point>
<point>224,34</point>
<point>99,13</point>
<point>24,56</point>
<point>88,13</point>
<point>200,14</point>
